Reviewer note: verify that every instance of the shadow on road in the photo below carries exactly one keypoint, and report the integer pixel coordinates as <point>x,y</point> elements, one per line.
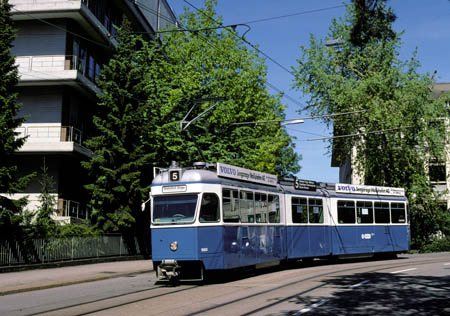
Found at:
<point>381,294</point>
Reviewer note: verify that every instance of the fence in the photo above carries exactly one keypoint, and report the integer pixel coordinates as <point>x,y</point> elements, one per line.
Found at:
<point>61,249</point>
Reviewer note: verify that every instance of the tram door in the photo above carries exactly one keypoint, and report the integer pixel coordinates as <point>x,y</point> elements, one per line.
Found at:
<point>247,232</point>
<point>248,252</point>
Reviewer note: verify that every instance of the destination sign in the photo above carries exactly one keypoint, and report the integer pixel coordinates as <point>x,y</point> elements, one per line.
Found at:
<point>366,189</point>
<point>173,188</point>
<point>305,185</point>
<point>233,172</point>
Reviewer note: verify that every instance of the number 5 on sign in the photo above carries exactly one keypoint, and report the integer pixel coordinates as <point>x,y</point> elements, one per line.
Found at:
<point>174,175</point>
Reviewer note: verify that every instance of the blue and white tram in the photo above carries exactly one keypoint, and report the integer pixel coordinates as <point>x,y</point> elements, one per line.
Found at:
<point>219,217</point>
<point>345,220</point>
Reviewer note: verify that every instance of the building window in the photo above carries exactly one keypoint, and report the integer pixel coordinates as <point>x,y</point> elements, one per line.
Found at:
<point>437,173</point>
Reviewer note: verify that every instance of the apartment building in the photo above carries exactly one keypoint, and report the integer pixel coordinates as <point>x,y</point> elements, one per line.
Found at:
<point>438,171</point>
<point>60,49</point>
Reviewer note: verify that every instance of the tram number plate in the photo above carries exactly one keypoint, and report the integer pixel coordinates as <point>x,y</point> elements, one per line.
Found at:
<point>175,175</point>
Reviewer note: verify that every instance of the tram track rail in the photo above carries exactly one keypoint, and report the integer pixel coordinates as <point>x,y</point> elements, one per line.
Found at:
<point>158,292</point>
<point>56,311</point>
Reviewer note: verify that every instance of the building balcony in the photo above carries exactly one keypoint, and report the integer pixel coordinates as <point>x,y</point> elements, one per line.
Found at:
<point>52,139</point>
<point>63,9</point>
<point>70,212</point>
<point>56,70</point>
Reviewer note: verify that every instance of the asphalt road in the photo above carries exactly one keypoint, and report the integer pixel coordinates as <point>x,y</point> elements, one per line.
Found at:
<point>411,285</point>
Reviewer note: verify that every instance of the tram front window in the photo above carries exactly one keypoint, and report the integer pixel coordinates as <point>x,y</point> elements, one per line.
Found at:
<point>174,209</point>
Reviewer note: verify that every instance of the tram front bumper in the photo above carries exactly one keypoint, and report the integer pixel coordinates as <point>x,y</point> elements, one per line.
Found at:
<point>168,270</point>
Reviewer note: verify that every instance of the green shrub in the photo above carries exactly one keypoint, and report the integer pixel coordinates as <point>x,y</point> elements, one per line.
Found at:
<point>75,230</point>
<point>438,245</point>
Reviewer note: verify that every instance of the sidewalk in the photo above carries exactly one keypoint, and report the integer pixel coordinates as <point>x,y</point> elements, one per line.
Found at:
<point>29,280</point>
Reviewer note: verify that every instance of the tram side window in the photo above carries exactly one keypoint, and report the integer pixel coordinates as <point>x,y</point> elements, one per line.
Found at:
<point>274,209</point>
<point>209,210</point>
<point>230,206</point>
<point>299,210</point>
<point>346,212</point>
<point>261,207</point>
<point>398,213</point>
<point>247,207</point>
<point>382,213</point>
<point>315,211</point>
<point>364,211</point>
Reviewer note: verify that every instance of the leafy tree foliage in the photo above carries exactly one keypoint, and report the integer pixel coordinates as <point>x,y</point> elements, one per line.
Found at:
<point>124,145</point>
<point>148,87</point>
<point>211,63</point>
<point>399,127</point>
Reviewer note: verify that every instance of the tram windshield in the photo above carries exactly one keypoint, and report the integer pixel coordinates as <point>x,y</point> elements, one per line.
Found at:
<point>174,209</point>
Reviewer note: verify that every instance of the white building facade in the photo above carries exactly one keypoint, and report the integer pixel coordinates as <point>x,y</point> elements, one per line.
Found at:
<point>60,48</point>
<point>438,171</point>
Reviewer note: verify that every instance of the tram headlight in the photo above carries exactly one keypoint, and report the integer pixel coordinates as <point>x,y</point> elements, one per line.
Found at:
<point>174,245</point>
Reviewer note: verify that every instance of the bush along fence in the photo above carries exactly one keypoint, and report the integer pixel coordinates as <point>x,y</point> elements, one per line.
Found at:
<point>62,249</point>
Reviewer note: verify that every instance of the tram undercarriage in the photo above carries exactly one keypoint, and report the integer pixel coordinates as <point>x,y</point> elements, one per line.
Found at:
<point>173,270</point>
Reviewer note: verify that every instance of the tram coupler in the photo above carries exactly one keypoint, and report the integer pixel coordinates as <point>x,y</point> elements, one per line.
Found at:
<point>168,270</point>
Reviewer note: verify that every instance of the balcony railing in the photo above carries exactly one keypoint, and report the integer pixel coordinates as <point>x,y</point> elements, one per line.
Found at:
<point>69,208</point>
<point>56,63</point>
<point>50,134</point>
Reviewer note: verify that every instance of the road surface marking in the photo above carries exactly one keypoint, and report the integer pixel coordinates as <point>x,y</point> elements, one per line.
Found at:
<point>359,284</point>
<point>400,271</point>
<point>447,264</point>
<point>308,309</point>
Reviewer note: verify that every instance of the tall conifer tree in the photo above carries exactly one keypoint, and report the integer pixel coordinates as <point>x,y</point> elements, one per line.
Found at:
<point>11,230</point>
<point>123,152</point>
<point>9,140</point>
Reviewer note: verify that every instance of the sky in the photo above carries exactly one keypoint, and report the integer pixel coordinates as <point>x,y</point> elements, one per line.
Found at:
<point>426,27</point>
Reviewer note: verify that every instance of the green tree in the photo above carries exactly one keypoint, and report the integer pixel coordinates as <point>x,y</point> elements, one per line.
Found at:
<point>44,225</point>
<point>10,179</point>
<point>398,127</point>
<point>147,89</point>
<point>213,62</point>
<point>124,146</point>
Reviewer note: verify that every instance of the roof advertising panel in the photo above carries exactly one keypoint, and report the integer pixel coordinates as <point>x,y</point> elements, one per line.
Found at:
<point>366,189</point>
<point>237,173</point>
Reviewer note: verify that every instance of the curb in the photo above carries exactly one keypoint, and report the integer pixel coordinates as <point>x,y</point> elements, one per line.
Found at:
<point>68,263</point>
<point>70,282</point>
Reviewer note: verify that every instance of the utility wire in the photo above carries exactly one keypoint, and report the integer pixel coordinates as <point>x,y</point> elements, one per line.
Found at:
<point>383,131</point>
<point>301,118</point>
<point>258,50</point>
<point>300,131</point>
<point>294,14</point>
<point>287,96</point>
<point>150,10</point>
<point>218,49</point>
<point>244,40</point>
